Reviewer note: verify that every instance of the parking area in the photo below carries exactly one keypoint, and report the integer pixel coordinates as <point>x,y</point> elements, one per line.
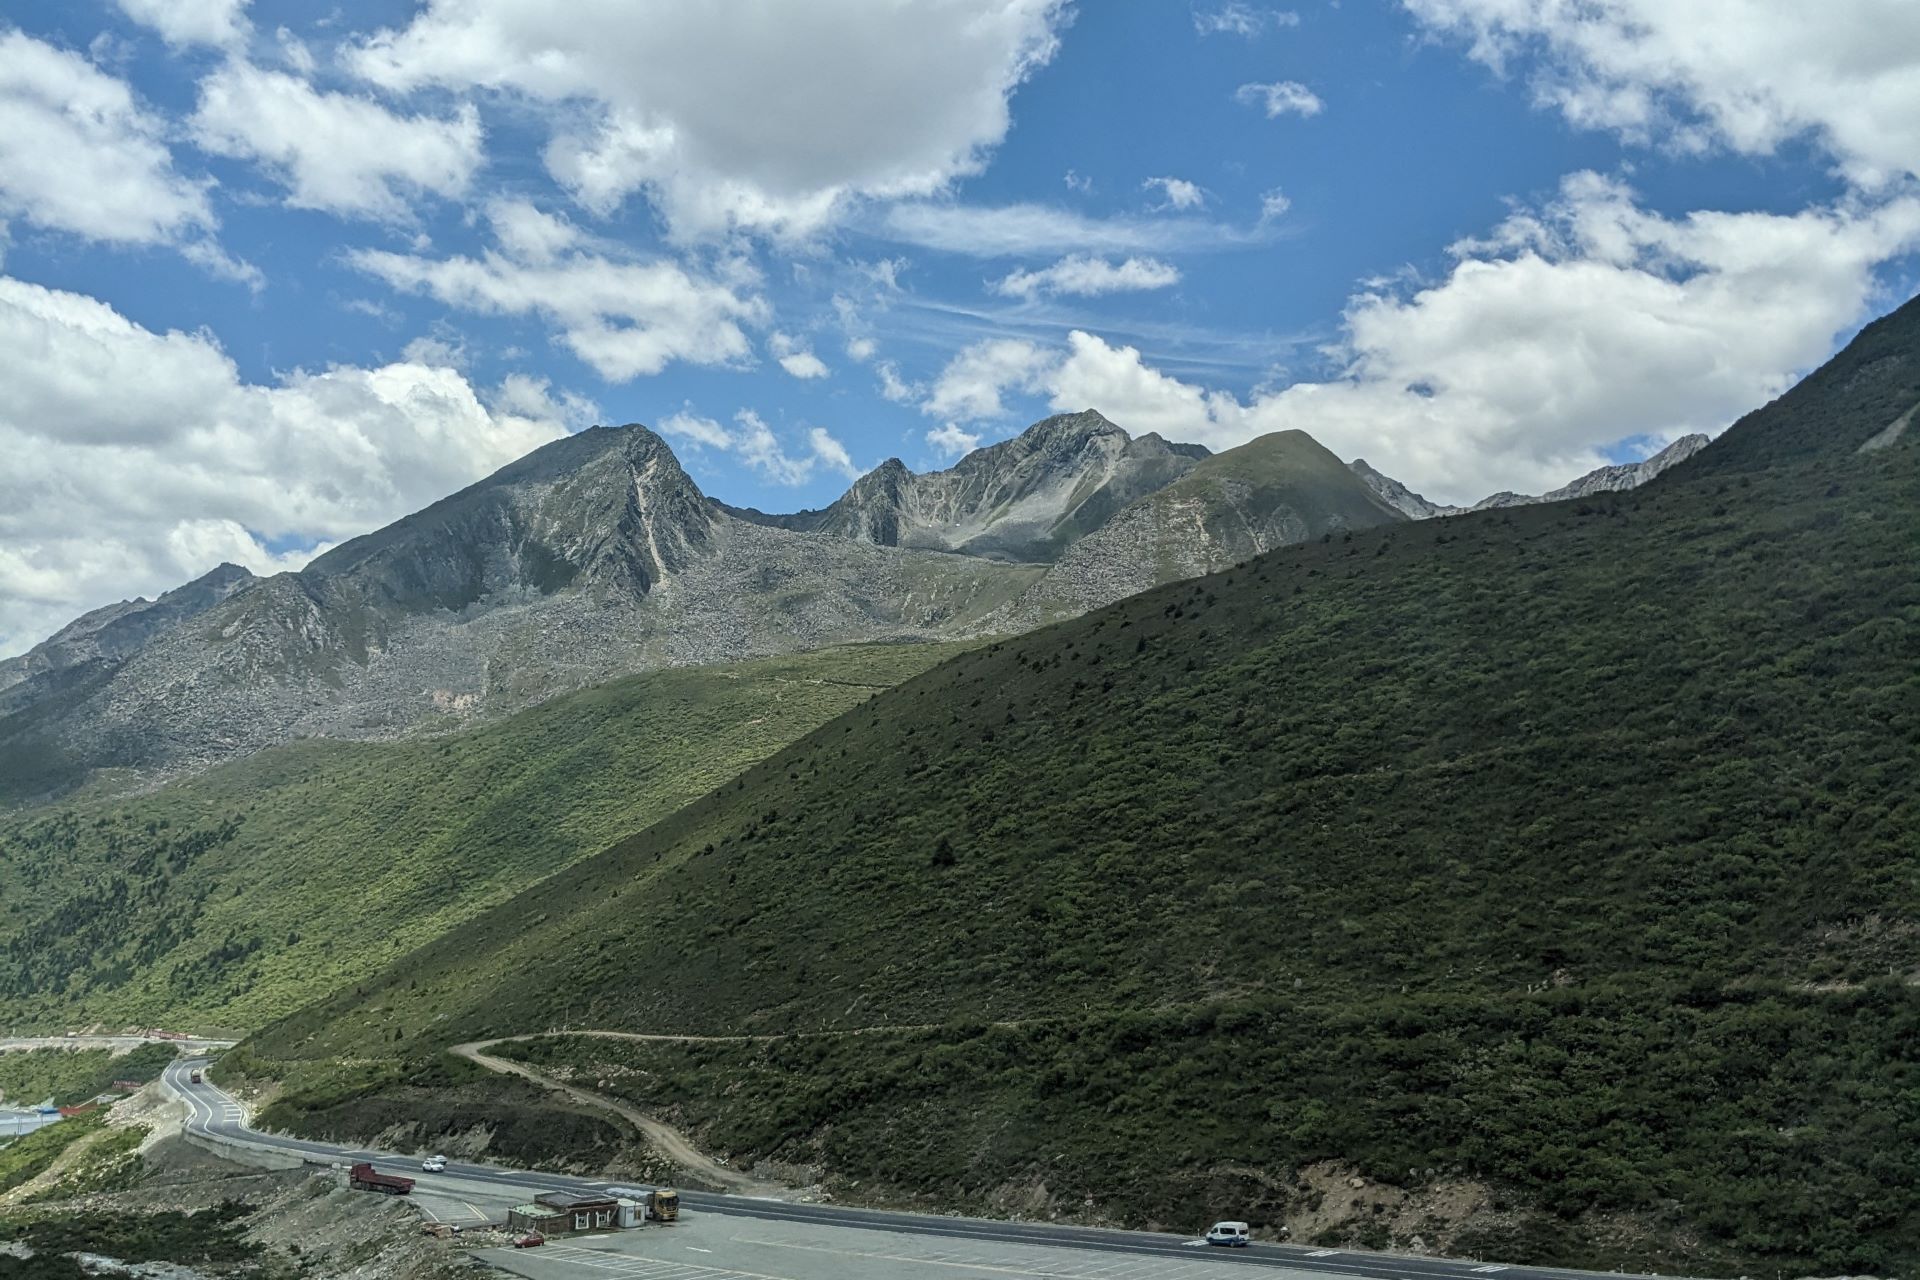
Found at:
<point>713,1247</point>
<point>463,1208</point>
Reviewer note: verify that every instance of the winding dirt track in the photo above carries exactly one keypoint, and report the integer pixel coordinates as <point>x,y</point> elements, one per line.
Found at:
<point>666,1139</point>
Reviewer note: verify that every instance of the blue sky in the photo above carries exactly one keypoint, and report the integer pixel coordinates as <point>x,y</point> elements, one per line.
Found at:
<point>272,279</point>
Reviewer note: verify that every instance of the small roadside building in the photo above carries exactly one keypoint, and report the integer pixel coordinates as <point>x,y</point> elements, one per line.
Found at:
<point>559,1213</point>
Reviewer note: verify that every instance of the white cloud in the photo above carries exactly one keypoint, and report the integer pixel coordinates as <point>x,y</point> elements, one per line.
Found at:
<point>189,22</point>
<point>1238,18</point>
<point>951,441</point>
<point>795,358</point>
<point>830,452</point>
<point>695,430</point>
<point>804,365</point>
<point>527,233</point>
<point>893,386</point>
<point>522,395</point>
<point>1021,230</point>
<point>137,460</point>
<point>1284,97</point>
<point>1748,75</point>
<point>78,153</point>
<point>1089,277</point>
<point>334,151</point>
<point>1177,193</point>
<point>1273,204</point>
<point>860,350</point>
<point>1567,329</point>
<point>752,441</point>
<point>1077,182</point>
<point>971,385</point>
<point>625,318</point>
<point>738,114</point>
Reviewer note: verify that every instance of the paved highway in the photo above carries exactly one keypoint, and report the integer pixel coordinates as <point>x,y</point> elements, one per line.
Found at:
<point>212,1113</point>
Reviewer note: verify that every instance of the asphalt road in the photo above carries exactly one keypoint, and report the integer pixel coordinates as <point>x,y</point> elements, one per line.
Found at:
<point>214,1114</point>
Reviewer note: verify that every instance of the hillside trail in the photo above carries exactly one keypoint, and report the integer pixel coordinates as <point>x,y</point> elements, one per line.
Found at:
<point>666,1139</point>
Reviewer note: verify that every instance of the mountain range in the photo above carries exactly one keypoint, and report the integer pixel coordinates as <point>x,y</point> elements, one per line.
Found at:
<point>597,556</point>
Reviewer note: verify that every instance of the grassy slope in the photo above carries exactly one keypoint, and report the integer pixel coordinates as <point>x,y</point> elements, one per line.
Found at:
<point>235,896</point>
<point>26,1158</point>
<point>1587,766</point>
<point>70,1076</point>
<point>1286,469</point>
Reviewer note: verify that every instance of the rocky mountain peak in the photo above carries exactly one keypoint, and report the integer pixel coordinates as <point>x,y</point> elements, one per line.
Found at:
<point>609,508</point>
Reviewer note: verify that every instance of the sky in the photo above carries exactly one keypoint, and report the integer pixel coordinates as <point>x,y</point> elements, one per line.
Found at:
<point>274,274</point>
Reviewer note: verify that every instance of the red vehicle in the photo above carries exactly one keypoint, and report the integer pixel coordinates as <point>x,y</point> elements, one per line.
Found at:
<point>532,1239</point>
<point>364,1177</point>
<point>195,1077</point>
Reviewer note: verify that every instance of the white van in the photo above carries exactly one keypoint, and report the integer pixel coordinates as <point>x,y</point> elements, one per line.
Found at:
<point>1232,1234</point>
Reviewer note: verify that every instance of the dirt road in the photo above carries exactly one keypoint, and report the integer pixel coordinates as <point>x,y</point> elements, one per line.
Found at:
<point>666,1139</point>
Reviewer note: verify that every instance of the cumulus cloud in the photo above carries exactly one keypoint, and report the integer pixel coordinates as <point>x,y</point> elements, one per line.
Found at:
<point>1568,328</point>
<point>1087,277</point>
<point>860,350</point>
<point>1747,75</point>
<point>752,441</point>
<point>1281,98</point>
<point>626,318</point>
<point>973,383</point>
<point>1273,204</point>
<point>1238,18</point>
<point>951,442</point>
<point>338,152</point>
<point>110,493</point>
<point>79,153</point>
<point>737,114</point>
<point>795,358</point>
<point>1176,193</point>
<point>189,22</point>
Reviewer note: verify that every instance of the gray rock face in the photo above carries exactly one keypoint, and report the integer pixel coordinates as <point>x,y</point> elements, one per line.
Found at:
<point>597,556</point>
<point>1398,496</point>
<point>1025,499</point>
<point>1602,480</point>
<point>1270,492</point>
<point>110,634</point>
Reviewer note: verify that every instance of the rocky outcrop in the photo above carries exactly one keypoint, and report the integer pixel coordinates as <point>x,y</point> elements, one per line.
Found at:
<point>1270,492</point>
<point>1026,499</point>
<point>1398,496</point>
<point>106,636</point>
<point>1613,479</point>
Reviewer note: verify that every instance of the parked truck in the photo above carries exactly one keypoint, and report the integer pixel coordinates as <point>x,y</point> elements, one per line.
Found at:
<point>364,1177</point>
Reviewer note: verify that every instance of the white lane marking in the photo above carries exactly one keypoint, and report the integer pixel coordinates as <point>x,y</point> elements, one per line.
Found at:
<point>694,1248</point>
<point>1487,1271</point>
<point>1325,1253</point>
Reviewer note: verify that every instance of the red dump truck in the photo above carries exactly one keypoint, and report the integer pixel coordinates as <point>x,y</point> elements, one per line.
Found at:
<point>364,1177</point>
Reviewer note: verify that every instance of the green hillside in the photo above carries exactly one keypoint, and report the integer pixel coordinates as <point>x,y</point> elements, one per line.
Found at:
<point>1387,744</point>
<point>228,899</point>
<point>1587,829</point>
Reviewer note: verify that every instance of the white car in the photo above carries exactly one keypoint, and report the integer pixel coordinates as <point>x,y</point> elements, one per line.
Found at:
<point>434,1164</point>
<point>1232,1234</point>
